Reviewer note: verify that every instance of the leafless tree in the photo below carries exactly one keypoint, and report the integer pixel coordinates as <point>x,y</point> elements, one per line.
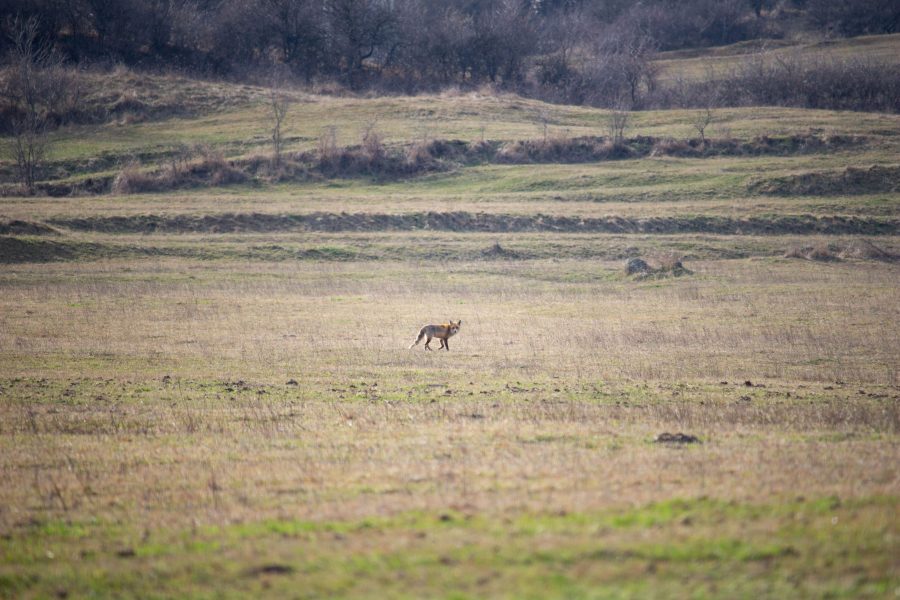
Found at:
<point>279,103</point>
<point>36,88</point>
<point>358,31</point>
<point>327,146</point>
<point>701,121</point>
<point>298,29</point>
<point>633,58</point>
<point>617,123</point>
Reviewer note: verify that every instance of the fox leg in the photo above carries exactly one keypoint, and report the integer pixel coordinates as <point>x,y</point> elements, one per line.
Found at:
<point>447,344</point>
<point>428,341</point>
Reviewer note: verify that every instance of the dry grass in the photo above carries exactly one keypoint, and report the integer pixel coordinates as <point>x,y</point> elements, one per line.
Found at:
<point>730,320</point>
<point>427,430</point>
<point>164,415</point>
<point>274,451</point>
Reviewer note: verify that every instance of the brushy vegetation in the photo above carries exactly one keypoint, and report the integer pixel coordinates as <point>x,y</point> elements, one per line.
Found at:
<point>601,50</point>
<point>204,167</point>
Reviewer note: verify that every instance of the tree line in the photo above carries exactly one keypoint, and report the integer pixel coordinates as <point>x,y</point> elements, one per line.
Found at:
<point>559,47</point>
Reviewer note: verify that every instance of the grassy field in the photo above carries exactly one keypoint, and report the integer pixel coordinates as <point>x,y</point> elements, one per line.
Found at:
<point>209,392</point>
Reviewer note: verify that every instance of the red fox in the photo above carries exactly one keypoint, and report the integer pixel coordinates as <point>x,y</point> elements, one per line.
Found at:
<point>442,332</point>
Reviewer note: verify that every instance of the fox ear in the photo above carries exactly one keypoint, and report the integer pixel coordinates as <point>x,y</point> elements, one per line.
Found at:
<point>458,323</point>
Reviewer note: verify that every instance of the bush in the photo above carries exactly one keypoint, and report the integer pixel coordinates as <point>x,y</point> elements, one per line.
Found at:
<point>210,169</point>
<point>132,180</point>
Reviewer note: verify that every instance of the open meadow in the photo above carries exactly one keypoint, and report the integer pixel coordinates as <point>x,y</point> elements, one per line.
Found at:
<point>207,390</point>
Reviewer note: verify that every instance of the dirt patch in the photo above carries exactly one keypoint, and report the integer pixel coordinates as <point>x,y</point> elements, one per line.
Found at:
<point>271,569</point>
<point>676,438</point>
<point>479,222</point>
<point>852,180</point>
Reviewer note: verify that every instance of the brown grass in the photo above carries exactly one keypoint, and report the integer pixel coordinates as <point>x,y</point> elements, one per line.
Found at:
<point>209,169</point>
<point>275,453</point>
<point>730,320</point>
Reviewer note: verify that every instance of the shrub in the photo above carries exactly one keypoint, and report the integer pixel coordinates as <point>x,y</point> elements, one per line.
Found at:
<point>210,168</point>
<point>132,180</point>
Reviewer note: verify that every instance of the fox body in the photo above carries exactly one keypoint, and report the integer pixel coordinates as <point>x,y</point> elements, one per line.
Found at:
<point>442,332</point>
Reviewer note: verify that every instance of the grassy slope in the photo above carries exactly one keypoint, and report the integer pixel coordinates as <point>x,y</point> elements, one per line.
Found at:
<point>237,414</point>
<point>699,63</point>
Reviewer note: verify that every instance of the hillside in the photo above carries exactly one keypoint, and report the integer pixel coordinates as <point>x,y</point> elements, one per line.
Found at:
<point>698,63</point>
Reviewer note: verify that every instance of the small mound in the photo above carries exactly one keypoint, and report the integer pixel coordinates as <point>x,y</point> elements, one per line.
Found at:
<point>658,267</point>
<point>15,250</point>
<point>819,252</point>
<point>16,227</point>
<point>498,251</point>
<point>856,250</point>
<point>852,180</point>
<point>866,250</point>
<point>568,150</point>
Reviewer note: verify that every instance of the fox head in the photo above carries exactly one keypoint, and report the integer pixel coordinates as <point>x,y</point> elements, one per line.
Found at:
<point>454,327</point>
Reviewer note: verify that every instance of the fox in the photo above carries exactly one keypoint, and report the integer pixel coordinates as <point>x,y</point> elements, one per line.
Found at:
<point>442,332</point>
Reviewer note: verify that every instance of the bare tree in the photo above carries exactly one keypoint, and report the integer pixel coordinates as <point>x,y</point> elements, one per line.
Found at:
<point>701,121</point>
<point>617,122</point>
<point>544,118</point>
<point>279,102</point>
<point>299,33</point>
<point>36,88</point>
<point>372,142</point>
<point>633,58</point>
<point>327,147</point>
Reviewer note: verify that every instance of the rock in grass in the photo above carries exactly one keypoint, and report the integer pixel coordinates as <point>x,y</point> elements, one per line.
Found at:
<point>636,266</point>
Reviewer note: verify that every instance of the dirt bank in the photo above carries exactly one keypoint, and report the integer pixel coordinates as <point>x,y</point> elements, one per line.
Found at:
<point>479,222</point>
<point>875,179</point>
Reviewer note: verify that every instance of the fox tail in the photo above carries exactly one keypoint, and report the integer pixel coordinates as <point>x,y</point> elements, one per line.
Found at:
<point>418,339</point>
